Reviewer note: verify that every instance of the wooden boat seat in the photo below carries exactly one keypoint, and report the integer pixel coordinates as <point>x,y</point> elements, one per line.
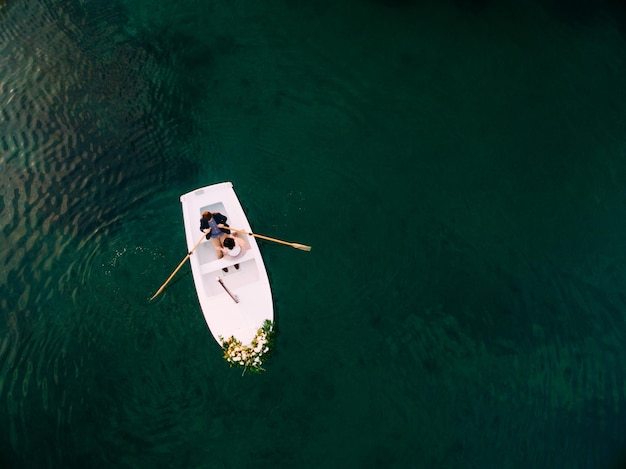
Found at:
<point>219,264</point>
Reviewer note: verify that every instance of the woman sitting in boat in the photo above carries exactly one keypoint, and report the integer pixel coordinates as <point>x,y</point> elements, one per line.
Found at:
<point>234,247</point>
<point>213,225</point>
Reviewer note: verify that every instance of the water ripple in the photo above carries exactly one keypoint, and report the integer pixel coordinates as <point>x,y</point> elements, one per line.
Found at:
<point>87,118</point>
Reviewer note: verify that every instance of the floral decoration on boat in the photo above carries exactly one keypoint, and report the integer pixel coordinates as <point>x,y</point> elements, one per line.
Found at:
<point>250,357</point>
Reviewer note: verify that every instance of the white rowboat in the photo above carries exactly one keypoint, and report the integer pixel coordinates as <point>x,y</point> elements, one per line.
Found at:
<point>234,303</point>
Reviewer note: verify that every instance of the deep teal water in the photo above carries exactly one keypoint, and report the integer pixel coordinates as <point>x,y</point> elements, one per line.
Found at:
<point>458,168</point>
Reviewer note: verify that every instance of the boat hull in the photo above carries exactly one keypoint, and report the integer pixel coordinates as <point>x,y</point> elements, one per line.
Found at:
<point>237,302</point>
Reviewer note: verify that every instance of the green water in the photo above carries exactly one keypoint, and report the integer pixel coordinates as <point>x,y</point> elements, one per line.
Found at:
<point>457,167</point>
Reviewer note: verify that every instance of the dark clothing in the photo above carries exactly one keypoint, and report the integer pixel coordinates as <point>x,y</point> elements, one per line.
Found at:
<point>219,219</point>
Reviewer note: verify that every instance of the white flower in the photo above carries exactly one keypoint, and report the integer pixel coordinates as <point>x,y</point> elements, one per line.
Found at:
<point>248,356</point>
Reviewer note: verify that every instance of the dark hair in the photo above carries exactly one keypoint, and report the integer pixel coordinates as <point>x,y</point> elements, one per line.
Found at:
<point>207,215</point>
<point>229,243</point>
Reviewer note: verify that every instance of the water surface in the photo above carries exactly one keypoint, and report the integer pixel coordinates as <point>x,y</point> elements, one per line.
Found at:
<point>457,167</point>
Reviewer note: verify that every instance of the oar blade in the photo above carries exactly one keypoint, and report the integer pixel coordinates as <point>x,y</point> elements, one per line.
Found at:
<point>302,247</point>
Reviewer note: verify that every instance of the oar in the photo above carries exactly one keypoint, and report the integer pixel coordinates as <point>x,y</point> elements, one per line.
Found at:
<point>302,247</point>
<point>177,269</point>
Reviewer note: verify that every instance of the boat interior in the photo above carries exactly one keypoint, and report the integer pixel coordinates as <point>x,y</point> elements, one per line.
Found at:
<point>235,279</point>
<point>211,267</point>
